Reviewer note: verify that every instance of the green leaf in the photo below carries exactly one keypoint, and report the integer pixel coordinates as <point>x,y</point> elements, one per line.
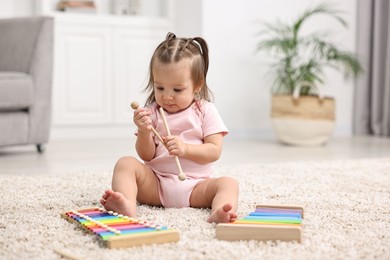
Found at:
<point>300,58</point>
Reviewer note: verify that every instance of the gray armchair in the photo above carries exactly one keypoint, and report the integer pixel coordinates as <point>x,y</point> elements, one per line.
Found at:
<point>26,65</point>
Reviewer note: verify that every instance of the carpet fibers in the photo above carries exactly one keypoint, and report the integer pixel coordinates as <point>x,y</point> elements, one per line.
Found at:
<point>347,214</point>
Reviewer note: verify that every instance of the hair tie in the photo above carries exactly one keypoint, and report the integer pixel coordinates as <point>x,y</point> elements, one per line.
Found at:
<point>198,45</point>
<point>169,37</point>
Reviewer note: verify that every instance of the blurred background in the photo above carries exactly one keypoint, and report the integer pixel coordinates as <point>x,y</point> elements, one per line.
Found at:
<point>102,55</point>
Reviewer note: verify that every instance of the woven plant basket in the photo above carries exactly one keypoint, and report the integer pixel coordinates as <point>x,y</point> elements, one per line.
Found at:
<point>304,120</point>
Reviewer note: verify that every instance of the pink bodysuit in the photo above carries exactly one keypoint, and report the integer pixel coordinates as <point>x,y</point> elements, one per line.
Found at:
<point>199,120</point>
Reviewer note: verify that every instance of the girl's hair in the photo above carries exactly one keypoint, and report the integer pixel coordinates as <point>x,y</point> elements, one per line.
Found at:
<point>173,50</point>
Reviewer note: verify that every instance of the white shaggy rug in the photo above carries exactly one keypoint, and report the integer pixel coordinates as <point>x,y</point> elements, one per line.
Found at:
<point>347,214</point>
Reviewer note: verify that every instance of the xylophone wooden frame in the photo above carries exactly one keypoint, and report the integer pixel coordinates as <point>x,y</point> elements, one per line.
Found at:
<point>158,237</point>
<point>262,232</point>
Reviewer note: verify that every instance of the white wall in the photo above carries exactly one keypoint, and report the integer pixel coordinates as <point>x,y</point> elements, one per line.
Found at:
<point>188,18</point>
<point>237,75</point>
<point>12,8</point>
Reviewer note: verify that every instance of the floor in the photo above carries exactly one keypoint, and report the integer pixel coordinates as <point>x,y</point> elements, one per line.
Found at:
<point>88,155</point>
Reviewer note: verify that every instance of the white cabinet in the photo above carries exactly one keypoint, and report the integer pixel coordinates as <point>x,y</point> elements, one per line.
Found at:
<point>133,50</point>
<point>101,65</point>
<point>83,89</point>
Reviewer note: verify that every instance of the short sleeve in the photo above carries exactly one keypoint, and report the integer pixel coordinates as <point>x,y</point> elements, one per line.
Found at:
<point>212,121</point>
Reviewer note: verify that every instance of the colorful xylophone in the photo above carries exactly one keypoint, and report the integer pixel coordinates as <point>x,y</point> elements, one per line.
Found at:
<point>268,222</point>
<point>116,230</point>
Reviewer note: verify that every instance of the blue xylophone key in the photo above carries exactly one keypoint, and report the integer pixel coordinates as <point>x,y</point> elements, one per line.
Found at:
<point>278,210</point>
<point>293,215</point>
<point>273,219</point>
<point>107,234</point>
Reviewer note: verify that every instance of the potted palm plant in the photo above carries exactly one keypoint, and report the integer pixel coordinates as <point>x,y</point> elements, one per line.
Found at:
<point>300,114</point>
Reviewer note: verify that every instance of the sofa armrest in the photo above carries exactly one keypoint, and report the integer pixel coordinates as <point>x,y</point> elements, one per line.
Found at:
<point>41,69</point>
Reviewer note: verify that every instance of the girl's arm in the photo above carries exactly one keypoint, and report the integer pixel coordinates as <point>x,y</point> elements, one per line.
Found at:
<point>145,146</point>
<point>207,152</point>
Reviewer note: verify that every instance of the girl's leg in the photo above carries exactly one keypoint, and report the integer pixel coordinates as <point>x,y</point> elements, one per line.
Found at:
<point>132,181</point>
<point>221,194</point>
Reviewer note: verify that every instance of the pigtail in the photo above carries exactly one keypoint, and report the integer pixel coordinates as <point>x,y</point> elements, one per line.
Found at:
<point>204,51</point>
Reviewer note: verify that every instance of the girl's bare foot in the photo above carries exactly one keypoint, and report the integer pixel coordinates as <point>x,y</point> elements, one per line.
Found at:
<point>223,215</point>
<point>116,202</point>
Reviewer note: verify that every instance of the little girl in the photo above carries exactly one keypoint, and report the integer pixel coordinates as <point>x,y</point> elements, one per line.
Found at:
<point>177,83</point>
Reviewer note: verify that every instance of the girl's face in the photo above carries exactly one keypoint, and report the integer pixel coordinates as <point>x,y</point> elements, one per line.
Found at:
<point>173,86</point>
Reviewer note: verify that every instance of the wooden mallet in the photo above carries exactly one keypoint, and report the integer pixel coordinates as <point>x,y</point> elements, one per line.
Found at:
<point>182,176</point>
<point>134,105</point>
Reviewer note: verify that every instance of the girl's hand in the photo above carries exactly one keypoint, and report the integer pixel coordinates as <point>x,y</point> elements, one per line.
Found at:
<point>175,145</point>
<point>142,120</point>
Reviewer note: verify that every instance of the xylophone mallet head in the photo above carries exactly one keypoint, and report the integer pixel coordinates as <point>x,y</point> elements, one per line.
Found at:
<point>134,105</point>
<point>182,176</point>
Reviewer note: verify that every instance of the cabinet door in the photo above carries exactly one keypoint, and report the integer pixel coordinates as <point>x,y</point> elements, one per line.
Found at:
<point>83,78</point>
<point>133,51</point>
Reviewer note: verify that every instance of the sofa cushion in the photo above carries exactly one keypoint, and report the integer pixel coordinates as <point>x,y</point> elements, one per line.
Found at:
<point>16,91</point>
